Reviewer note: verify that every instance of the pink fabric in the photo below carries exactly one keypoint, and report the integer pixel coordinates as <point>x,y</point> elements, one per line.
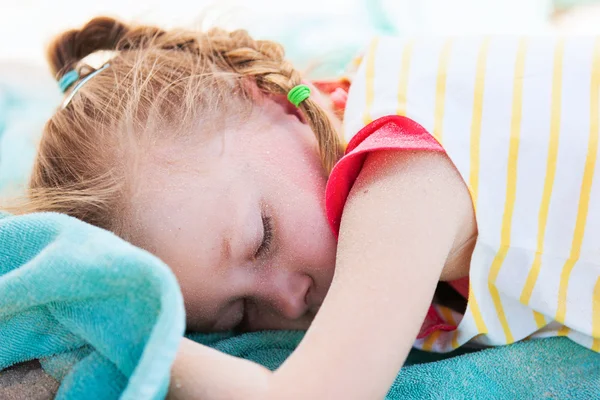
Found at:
<point>337,92</point>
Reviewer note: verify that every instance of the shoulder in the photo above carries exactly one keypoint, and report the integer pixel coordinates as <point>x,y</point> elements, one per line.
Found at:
<point>416,179</point>
<point>391,134</point>
<point>401,195</point>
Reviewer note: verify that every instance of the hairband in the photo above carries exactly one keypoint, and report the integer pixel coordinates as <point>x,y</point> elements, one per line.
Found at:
<point>71,77</point>
<point>298,94</point>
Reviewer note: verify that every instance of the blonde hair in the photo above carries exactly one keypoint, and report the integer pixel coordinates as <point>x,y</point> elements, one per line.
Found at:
<point>160,84</point>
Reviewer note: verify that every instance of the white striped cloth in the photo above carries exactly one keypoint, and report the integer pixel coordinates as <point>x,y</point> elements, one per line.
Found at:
<point>519,117</point>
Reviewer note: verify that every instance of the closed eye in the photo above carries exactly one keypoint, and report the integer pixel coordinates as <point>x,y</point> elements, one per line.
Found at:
<point>267,240</point>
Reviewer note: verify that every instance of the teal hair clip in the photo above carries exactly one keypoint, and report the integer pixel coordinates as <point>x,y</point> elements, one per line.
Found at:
<point>67,80</point>
<point>298,94</point>
<point>64,85</point>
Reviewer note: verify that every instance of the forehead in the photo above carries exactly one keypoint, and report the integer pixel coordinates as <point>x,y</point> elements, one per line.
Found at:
<point>223,172</point>
<point>174,184</point>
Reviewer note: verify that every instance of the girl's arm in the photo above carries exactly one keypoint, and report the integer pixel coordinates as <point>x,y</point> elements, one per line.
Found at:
<point>401,221</point>
<point>202,373</point>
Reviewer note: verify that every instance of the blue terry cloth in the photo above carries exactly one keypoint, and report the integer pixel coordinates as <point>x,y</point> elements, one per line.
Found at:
<point>553,368</point>
<point>105,316</point>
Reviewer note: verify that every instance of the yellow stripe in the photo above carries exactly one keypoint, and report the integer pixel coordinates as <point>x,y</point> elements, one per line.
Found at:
<point>454,341</point>
<point>555,110</point>
<point>563,331</point>
<point>440,90</point>
<point>474,160</point>
<point>540,319</point>
<point>403,82</point>
<point>476,312</point>
<point>370,81</point>
<point>428,343</point>
<point>511,186</point>
<point>586,187</point>
<point>596,317</point>
<point>476,122</point>
<point>447,314</point>
<point>449,318</point>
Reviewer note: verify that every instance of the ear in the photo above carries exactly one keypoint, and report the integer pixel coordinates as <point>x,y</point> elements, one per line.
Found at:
<point>288,107</point>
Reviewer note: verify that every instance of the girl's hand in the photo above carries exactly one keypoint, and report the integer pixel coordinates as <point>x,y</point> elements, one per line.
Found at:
<point>200,372</point>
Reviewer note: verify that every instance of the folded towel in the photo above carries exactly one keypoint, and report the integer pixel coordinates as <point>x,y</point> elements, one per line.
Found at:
<point>106,317</point>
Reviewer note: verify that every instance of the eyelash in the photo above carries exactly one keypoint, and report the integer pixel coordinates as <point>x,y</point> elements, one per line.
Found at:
<point>265,245</point>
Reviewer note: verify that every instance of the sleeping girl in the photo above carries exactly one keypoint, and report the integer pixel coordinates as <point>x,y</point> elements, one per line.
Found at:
<point>464,160</point>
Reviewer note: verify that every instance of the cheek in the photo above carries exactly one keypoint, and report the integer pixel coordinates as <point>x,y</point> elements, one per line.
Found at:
<point>307,235</point>
<point>196,297</point>
<point>310,248</point>
<point>297,160</point>
<point>311,235</point>
<point>296,185</point>
<point>299,195</point>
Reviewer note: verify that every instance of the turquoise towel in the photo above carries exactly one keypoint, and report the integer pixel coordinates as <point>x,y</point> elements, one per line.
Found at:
<point>554,368</point>
<point>106,318</point>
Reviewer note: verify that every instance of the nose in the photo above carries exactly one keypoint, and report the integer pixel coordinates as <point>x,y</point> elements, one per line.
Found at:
<point>286,293</point>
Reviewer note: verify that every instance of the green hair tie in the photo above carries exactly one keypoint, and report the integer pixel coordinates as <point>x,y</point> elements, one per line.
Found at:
<point>298,94</point>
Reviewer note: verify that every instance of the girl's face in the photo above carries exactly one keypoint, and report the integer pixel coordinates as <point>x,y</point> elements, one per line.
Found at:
<point>241,222</point>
